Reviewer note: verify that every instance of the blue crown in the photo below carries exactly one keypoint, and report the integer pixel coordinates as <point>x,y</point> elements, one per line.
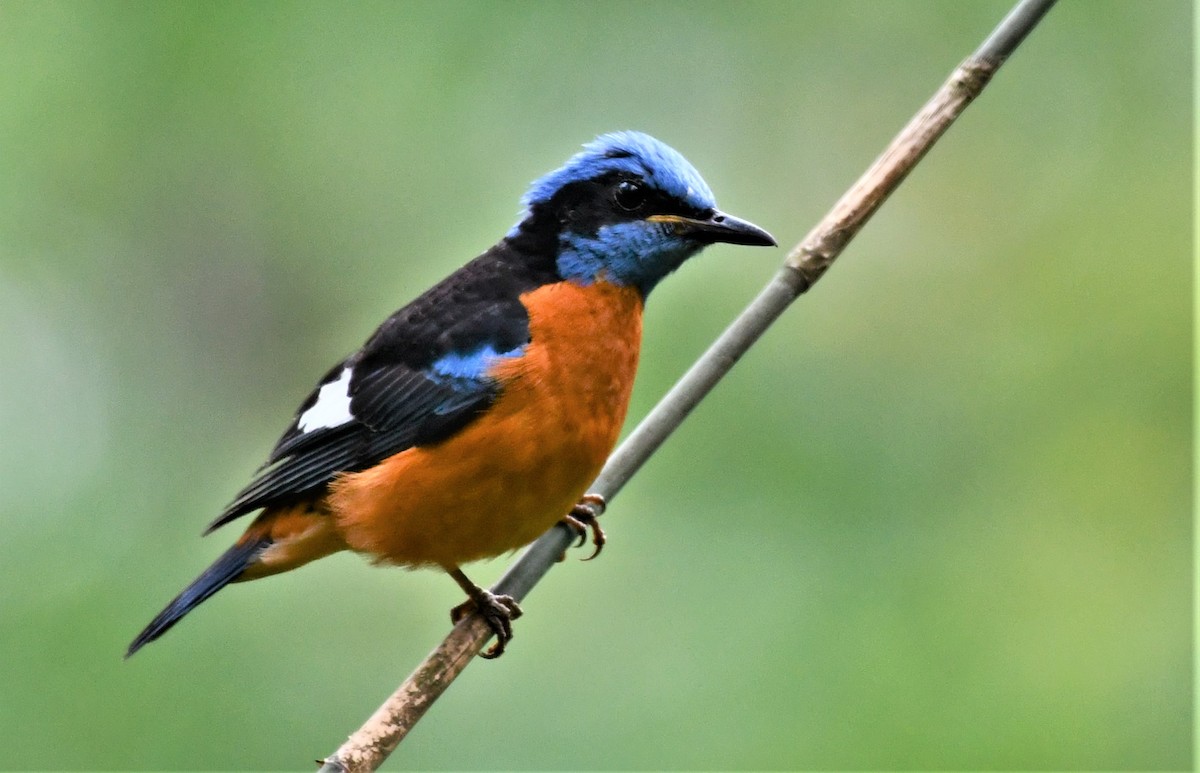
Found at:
<point>660,165</point>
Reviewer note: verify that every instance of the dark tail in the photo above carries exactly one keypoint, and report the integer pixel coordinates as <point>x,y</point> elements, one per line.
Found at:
<point>223,571</point>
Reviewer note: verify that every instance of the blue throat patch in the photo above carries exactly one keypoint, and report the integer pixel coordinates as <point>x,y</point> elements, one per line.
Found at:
<point>637,254</point>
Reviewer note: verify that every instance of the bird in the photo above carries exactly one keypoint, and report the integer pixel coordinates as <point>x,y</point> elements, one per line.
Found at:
<point>475,417</point>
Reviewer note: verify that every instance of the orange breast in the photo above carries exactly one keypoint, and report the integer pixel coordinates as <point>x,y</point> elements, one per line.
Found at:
<point>513,472</point>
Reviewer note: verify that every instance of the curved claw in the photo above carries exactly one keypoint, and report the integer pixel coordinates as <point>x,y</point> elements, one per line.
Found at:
<point>498,611</point>
<point>583,517</point>
<point>599,540</point>
<point>499,619</point>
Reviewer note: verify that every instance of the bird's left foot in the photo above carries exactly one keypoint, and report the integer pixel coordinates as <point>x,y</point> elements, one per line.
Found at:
<point>496,610</point>
<point>582,518</point>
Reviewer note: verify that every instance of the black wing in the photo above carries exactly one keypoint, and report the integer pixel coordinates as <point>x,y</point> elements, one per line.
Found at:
<point>392,409</point>
<point>397,398</point>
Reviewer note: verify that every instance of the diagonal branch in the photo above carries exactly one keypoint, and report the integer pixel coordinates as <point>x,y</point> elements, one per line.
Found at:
<point>370,745</point>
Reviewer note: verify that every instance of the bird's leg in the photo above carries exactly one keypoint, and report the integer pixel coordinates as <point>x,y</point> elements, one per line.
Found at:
<point>496,610</point>
<point>583,517</point>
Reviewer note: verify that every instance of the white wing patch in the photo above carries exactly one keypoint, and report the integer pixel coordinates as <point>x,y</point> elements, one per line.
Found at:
<point>332,408</point>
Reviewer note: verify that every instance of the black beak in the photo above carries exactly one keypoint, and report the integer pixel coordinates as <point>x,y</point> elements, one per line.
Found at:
<point>718,227</point>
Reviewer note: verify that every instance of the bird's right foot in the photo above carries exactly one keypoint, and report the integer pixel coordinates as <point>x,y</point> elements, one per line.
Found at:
<point>582,518</point>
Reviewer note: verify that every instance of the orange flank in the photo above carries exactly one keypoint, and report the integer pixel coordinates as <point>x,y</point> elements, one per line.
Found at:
<point>515,471</point>
<point>298,533</point>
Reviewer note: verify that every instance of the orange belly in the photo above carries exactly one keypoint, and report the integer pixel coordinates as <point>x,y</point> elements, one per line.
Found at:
<point>511,474</point>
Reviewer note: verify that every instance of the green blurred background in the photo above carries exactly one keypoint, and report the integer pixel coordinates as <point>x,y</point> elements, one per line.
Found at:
<point>939,518</point>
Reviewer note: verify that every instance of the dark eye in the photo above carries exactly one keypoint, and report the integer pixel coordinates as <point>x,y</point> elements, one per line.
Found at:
<point>629,195</point>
